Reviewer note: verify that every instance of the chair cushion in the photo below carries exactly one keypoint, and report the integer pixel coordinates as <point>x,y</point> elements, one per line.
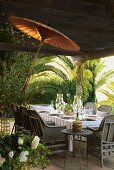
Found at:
<point>101,114</point>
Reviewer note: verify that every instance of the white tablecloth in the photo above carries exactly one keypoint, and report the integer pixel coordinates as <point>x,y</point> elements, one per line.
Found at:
<point>61,121</point>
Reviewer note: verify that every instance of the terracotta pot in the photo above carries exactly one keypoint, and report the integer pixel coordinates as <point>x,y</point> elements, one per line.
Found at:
<point>77,126</point>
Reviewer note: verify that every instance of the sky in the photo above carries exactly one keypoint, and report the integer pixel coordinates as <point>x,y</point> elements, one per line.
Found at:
<point>109,62</point>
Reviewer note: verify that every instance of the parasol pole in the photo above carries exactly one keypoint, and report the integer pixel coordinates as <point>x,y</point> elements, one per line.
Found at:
<point>31,67</point>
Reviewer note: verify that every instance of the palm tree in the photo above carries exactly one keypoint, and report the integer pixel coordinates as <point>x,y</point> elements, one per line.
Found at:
<point>99,78</point>
<point>109,94</point>
<point>51,75</point>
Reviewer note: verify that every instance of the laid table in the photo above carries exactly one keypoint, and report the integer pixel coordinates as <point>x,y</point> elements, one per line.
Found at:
<point>48,113</point>
<point>83,133</point>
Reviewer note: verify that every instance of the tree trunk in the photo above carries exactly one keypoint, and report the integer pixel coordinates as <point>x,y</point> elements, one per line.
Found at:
<point>79,84</point>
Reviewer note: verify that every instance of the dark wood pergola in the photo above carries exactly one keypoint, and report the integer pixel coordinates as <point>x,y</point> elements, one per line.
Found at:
<point>89,23</point>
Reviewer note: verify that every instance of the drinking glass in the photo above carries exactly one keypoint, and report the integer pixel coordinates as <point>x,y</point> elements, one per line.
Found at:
<point>91,111</point>
<point>52,103</point>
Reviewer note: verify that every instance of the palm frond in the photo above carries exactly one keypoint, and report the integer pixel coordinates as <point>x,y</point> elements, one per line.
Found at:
<point>49,67</point>
<point>47,76</point>
<point>111,86</point>
<point>68,61</point>
<point>108,94</point>
<point>103,78</point>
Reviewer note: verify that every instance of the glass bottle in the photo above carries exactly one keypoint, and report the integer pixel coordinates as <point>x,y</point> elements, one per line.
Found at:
<point>79,104</point>
<point>52,103</point>
<point>68,98</point>
<point>75,103</point>
<point>61,98</point>
<point>57,102</point>
<point>62,103</point>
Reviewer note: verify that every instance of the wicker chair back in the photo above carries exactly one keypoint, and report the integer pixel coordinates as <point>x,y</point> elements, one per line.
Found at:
<point>105,108</point>
<point>101,143</point>
<point>26,119</point>
<point>90,105</point>
<point>108,129</point>
<point>18,125</point>
<point>36,127</point>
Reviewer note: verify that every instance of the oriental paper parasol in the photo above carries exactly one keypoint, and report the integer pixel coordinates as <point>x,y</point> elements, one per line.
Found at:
<point>44,34</point>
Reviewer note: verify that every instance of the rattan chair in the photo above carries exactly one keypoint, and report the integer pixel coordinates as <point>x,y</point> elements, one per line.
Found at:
<point>105,108</point>
<point>51,136</point>
<point>101,143</point>
<point>25,119</point>
<point>91,105</point>
<point>36,127</point>
<point>18,124</point>
<point>37,115</point>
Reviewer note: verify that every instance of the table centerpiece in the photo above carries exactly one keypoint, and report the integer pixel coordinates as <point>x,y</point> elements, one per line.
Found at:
<point>77,125</point>
<point>68,108</point>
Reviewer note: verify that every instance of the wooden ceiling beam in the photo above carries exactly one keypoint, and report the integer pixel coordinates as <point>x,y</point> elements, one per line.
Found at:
<point>80,23</point>
<point>71,6</point>
<point>52,14</point>
<point>107,52</point>
<point>51,51</point>
<point>15,47</point>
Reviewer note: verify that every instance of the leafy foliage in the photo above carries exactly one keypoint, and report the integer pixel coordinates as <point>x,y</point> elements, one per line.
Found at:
<point>13,78</point>
<point>68,106</point>
<point>87,87</point>
<point>20,150</point>
<point>109,93</point>
<point>13,69</point>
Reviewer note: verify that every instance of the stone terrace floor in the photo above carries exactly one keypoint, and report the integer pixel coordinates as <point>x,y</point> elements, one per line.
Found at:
<point>57,162</point>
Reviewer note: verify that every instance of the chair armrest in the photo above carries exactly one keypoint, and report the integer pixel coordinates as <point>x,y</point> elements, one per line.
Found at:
<point>53,126</point>
<point>50,123</point>
<point>60,127</point>
<point>56,127</point>
<point>93,129</point>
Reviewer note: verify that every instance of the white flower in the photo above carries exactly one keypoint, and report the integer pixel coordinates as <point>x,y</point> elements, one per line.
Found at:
<point>20,141</point>
<point>35,142</point>
<point>11,154</point>
<point>23,156</point>
<point>26,153</point>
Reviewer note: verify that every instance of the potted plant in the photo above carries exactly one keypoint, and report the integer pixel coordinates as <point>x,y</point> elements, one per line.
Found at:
<point>77,125</point>
<point>68,109</point>
<point>20,152</point>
